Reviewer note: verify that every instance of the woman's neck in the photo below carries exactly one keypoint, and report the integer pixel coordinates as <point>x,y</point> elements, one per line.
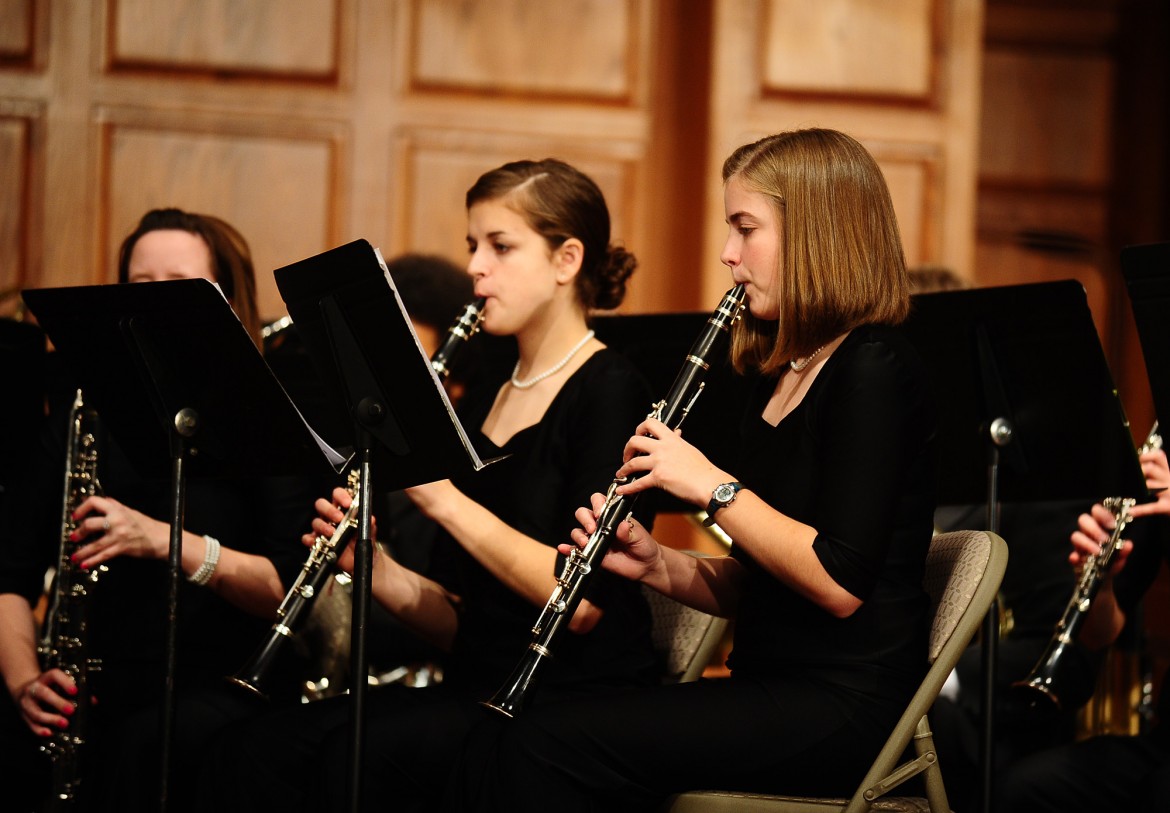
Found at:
<point>546,341</point>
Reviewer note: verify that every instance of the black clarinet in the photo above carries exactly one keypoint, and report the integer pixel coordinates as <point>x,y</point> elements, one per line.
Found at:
<point>65,643</point>
<point>322,556</point>
<point>581,562</point>
<point>1050,685</point>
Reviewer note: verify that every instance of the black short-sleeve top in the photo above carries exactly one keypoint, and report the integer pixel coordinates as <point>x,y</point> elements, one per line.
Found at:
<point>855,460</point>
<point>552,468</point>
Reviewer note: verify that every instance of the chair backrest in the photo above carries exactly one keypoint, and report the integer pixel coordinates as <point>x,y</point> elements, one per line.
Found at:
<point>963,572</point>
<point>684,638</point>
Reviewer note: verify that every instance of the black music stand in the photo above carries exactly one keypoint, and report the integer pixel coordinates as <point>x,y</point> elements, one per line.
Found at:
<point>361,340</point>
<point>173,355</point>
<point>1146,269</point>
<point>1027,412</point>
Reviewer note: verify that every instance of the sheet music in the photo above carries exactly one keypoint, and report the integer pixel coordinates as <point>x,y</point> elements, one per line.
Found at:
<point>438,383</point>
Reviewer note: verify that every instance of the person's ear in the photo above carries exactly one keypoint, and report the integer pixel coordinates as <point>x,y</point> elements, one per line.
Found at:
<point>568,259</point>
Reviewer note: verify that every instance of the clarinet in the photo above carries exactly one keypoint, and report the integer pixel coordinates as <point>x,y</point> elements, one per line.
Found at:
<point>324,552</point>
<point>581,562</point>
<point>1045,680</point>
<point>64,644</point>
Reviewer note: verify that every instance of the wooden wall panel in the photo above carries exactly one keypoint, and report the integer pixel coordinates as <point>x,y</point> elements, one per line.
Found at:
<point>257,37</point>
<point>276,186</point>
<point>913,186</point>
<point>15,171</point>
<point>917,117</point>
<point>16,31</point>
<point>1049,118</point>
<point>572,48</point>
<point>881,48</point>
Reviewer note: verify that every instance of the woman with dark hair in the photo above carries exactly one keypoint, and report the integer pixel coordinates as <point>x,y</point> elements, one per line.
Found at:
<point>240,548</point>
<point>173,244</point>
<point>829,509</point>
<point>541,256</point>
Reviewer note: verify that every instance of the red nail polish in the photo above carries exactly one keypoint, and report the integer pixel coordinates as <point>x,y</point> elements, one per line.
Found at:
<point>62,723</point>
<point>73,558</point>
<point>68,710</point>
<point>72,690</point>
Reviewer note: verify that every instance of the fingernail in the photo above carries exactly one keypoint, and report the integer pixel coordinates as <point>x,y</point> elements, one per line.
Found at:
<point>72,690</point>
<point>73,558</point>
<point>68,710</point>
<point>62,723</point>
<point>73,536</point>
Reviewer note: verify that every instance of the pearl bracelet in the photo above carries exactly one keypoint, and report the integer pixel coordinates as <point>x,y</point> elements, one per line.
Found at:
<point>210,559</point>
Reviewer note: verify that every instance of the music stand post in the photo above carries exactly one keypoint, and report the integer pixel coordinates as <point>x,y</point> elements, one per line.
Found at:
<point>1025,380</point>
<point>359,336</point>
<point>174,356</point>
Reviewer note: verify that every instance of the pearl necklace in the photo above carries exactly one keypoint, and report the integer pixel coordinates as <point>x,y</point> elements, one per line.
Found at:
<point>799,364</point>
<point>556,368</point>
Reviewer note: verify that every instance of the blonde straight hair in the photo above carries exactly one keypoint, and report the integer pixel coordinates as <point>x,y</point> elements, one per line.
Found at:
<point>841,261</point>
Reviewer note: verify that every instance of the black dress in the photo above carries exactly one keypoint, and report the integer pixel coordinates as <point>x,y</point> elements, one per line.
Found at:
<point>128,612</point>
<point>811,698</point>
<point>415,734</point>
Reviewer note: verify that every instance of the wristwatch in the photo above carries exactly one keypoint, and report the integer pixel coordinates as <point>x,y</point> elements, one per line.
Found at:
<point>721,497</point>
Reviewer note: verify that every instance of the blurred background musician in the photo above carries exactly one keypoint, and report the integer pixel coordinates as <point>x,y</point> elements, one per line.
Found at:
<point>1107,773</point>
<point>240,550</point>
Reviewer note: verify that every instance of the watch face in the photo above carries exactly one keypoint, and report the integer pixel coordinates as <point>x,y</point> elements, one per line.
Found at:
<point>724,493</point>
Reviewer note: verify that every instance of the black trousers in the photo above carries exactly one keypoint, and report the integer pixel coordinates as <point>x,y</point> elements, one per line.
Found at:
<point>298,759</point>
<point>1107,774</point>
<point>127,765</point>
<point>627,751</point>
<point>121,759</point>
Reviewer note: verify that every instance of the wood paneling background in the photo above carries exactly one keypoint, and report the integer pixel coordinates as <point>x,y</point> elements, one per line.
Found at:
<point>1023,140</point>
<point>362,118</point>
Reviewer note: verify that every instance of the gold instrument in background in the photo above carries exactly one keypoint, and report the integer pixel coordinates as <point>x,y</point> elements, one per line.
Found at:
<point>297,603</point>
<point>253,676</point>
<point>709,348</point>
<point>1046,682</point>
<point>64,643</point>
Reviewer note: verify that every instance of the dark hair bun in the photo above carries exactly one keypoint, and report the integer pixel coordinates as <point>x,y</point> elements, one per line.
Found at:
<point>609,283</point>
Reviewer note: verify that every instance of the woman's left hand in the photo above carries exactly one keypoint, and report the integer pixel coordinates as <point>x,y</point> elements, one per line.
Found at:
<point>662,459</point>
<point>110,529</point>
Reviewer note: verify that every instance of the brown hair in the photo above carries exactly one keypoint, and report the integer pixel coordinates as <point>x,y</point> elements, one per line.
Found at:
<point>558,202</point>
<point>231,259</point>
<point>841,262</point>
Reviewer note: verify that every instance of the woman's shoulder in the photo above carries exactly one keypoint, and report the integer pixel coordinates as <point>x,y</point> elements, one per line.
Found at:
<point>607,383</point>
<point>610,368</point>
<point>878,347</point>
<point>876,359</point>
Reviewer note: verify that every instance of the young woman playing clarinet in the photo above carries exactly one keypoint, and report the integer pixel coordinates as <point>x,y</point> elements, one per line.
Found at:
<point>540,253</point>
